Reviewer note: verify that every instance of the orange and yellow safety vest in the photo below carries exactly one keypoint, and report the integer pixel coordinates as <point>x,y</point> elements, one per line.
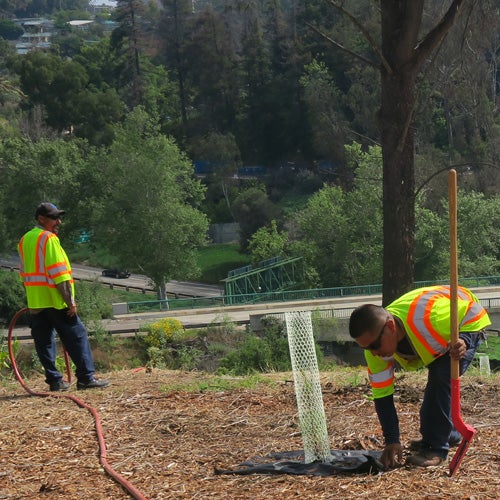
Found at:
<point>425,314</point>
<point>44,264</point>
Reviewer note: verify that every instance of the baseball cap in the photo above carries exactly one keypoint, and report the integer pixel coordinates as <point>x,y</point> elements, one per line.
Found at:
<point>48,209</point>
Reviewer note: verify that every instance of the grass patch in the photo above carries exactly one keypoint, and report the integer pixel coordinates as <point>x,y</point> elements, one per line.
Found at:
<point>491,348</point>
<point>114,295</point>
<point>90,256</point>
<point>218,383</point>
<point>293,203</point>
<point>216,260</point>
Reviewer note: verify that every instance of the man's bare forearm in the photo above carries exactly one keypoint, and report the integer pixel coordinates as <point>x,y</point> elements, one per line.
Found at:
<point>67,293</point>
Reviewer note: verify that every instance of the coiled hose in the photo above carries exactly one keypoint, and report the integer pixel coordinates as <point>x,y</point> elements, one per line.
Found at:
<point>98,427</point>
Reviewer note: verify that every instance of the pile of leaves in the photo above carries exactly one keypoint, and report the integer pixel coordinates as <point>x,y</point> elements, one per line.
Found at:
<point>167,432</point>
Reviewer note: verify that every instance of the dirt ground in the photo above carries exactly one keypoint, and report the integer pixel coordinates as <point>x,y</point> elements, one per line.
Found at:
<point>167,442</point>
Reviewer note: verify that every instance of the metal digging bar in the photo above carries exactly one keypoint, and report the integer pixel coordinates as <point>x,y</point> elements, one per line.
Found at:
<point>467,431</point>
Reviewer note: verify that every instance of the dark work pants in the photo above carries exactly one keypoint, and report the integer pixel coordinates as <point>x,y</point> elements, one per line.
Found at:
<point>436,425</point>
<point>74,337</point>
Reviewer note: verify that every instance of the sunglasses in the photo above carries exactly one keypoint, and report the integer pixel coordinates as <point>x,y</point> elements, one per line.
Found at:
<point>53,217</point>
<point>373,346</point>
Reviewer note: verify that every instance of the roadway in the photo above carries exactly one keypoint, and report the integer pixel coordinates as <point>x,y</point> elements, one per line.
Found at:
<point>127,324</point>
<point>133,282</point>
<point>242,314</point>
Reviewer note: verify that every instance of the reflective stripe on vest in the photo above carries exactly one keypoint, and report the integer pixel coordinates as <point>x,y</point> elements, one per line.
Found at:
<point>40,254</point>
<point>57,269</point>
<point>382,379</point>
<point>474,313</point>
<point>37,280</point>
<point>419,319</point>
<point>41,276</point>
<point>21,255</point>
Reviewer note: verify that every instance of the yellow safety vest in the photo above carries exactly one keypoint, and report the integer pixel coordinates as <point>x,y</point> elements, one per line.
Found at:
<point>44,264</point>
<point>425,313</point>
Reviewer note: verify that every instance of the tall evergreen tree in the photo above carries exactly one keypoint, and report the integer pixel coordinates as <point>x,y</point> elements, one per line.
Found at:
<point>126,40</point>
<point>212,73</point>
<point>174,28</point>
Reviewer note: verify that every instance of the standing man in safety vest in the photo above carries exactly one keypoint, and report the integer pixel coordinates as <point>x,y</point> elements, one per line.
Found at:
<point>414,331</point>
<point>47,278</point>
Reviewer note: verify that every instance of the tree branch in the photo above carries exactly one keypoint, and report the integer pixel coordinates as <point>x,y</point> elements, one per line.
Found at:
<point>364,31</point>
<point>438,33</point>
<point>456,165</point>
<point>9,88</point>
<point>341,47</point>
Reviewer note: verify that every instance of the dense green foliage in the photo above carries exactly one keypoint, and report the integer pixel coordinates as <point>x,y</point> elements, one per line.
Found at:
<point>9,30</point>
<point>259,353</point>
<point>255,71</point>
<point>267,242</point>
<point>107,125</point>
<point>153,191</point>
<point>12,297</point>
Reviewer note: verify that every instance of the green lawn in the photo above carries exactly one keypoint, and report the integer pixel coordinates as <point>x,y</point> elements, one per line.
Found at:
<point>216,260</point>
<point>491,347</point>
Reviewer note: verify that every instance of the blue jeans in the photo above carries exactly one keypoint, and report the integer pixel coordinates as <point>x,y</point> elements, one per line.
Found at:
<point>436,425</point>
<point>74,337</point>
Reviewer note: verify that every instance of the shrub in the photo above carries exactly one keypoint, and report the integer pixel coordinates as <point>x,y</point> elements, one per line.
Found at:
<point>253,355</point>
<point>164,346</point>
<point>92,302</point>
<point>268,352</point>
<point>12,297</point>
<point>163,332</point>
<point>222,327</point>
<point>156,358</point>
<point>187,358</point>
<point>4,352</point>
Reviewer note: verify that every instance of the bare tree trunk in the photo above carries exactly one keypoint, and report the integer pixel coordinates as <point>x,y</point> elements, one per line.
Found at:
<point>398,184</point>
<point>403,55</point>
<point>162,292</point>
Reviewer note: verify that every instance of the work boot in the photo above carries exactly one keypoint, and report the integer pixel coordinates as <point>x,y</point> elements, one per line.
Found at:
<point>59,385</point>
<point>92,384</point>
<point>419,445</point>
<point>426,458</point>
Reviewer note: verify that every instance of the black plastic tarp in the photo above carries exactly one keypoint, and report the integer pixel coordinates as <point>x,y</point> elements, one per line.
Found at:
<point>292,462</point>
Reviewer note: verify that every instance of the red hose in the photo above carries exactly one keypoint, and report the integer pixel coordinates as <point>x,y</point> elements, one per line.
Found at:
<point>98,427</point>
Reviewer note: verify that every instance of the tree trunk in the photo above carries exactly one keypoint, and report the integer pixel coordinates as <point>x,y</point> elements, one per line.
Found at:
<point>162,291</point>
<point>403,55</point>
<point>398,183</point>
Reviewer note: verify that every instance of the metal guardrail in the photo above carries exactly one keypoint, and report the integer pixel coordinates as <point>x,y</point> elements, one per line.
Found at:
<point>293,295</point>
<point>490,303</point>
<point>345,312</point>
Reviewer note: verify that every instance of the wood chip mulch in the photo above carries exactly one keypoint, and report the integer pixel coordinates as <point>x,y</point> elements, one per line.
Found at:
<point>168,443</point>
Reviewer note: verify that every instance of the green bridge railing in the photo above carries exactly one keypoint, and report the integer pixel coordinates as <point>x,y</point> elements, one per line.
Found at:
<point>287,295</point>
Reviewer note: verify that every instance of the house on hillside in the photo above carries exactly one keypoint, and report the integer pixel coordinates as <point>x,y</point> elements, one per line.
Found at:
<point>37,34</point>
<point>97,6</point>
<point>81,25</point>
